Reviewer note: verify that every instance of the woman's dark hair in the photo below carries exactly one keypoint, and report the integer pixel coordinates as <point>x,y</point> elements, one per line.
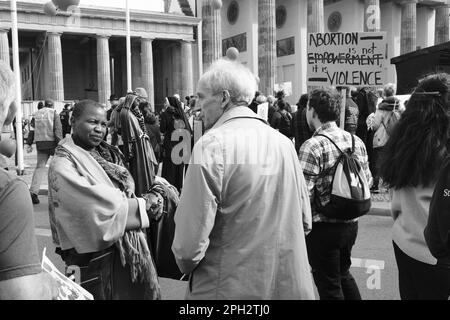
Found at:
<point>419,141</point>
<point>303,101</point>
<point>280,94</point>
<point>82,105</point>
<point>281,105</point>
<point>176,108</point>
<point>176,105</point>
<point>366,100</point>
<point>326,103</point>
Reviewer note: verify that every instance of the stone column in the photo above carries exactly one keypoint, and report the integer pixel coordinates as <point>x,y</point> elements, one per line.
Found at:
<point>176,71</point>
<point>315,16</point>
<point>4,46</point>
<point>441,28</point>
<point>167,4</point>
<point>371,15</point>
<point>103,69</point>
<point>266,46</point>
<point>147,69</point>
<point>408,27</point>
<point>211,33</point>
<point>55,67</point>
<point>187,70</point>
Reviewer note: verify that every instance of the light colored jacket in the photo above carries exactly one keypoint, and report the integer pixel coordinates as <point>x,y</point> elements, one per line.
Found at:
<point>87,211</point>
<point>410,207</point>
<point>243,213</point>
<point>382,114</point>
<point>43,123</point>
<point>381,136</point>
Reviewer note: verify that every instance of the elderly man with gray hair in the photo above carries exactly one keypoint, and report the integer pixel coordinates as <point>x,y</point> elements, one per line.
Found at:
<point>244,211</point>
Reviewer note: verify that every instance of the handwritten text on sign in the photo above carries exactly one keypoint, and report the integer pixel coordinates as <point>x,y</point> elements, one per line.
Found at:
<point>347,59</point>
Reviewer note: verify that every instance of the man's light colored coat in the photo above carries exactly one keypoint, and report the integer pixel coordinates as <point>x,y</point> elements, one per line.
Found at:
<point>243,213</point>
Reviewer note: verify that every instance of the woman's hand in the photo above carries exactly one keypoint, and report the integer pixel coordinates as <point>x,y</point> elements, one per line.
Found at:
<point>155,205</point>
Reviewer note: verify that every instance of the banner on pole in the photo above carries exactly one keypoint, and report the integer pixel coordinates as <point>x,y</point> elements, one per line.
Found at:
<point>285,86</point>
<point>347,59</point>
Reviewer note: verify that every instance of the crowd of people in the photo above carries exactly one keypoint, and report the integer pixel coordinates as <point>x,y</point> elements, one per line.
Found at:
<point>263,209</point>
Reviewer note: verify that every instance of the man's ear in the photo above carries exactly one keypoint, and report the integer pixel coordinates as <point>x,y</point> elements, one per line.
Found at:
<point>225,98</point>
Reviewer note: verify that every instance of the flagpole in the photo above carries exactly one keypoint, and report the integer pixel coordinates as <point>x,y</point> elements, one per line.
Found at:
<point>129,85</point>
<point>16,65</point>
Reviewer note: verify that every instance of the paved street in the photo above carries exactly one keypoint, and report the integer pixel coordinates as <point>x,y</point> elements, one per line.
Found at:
<point>373,264</point>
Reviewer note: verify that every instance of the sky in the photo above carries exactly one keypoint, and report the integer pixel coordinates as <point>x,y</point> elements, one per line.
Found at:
<point>150,5</point>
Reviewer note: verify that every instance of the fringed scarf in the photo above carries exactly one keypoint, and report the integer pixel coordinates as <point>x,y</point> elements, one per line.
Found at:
<point>133,246</point>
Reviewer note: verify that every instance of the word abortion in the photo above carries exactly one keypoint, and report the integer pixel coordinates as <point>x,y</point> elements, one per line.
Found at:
<point>335,39</point>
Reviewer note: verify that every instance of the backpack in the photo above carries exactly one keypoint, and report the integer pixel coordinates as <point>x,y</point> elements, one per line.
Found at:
<point>285,123</point>
<point>350,193</point>
<point>392,120</point>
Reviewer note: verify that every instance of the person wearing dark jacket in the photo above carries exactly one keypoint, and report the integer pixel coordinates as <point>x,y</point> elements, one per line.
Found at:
<point>171,119</point>
<point>254,105</point>
<point>299,125</point>
<point>437,231</point>
<point>153,132</point>
<point>281,96</point>
<point>379,126</point>
<point>282,119</point>
<point>272,108</point>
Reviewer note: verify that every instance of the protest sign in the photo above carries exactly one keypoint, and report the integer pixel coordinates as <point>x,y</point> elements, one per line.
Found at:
<point>263,110</point>
<point>67,289</point>
<point>347,59</point>
<point>285,86</point>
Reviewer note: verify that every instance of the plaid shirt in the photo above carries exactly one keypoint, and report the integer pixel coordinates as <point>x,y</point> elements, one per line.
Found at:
<point>318,154</point>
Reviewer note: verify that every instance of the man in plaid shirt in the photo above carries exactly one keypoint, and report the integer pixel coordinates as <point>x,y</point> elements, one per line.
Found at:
<point>330,242</point>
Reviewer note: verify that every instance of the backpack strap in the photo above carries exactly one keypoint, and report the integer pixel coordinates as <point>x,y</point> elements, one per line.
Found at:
<point>322,135</point>
<point>353,142</point>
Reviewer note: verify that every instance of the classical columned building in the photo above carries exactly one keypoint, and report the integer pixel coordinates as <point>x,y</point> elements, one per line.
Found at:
<point>409,25</point>
<point>67,57</point>
<point>83,56</point>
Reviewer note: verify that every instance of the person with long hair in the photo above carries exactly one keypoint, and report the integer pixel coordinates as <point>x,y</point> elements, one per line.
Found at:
<point>410,166</point>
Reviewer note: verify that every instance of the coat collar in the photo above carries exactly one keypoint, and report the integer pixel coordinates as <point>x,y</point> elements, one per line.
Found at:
<point>236,112</point>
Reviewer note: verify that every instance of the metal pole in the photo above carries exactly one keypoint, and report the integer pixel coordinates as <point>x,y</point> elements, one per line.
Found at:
<point>129,85</point>
<point>16,64</point>
<point>199,38</point>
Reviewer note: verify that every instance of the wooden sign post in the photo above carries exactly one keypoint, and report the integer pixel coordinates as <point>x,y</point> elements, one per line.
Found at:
<point>342,117</point>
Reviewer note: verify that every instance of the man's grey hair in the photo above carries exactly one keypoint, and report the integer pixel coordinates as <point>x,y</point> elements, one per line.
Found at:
<point>7,95</point>
<point>389,89</point>
<point>229,75</point>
